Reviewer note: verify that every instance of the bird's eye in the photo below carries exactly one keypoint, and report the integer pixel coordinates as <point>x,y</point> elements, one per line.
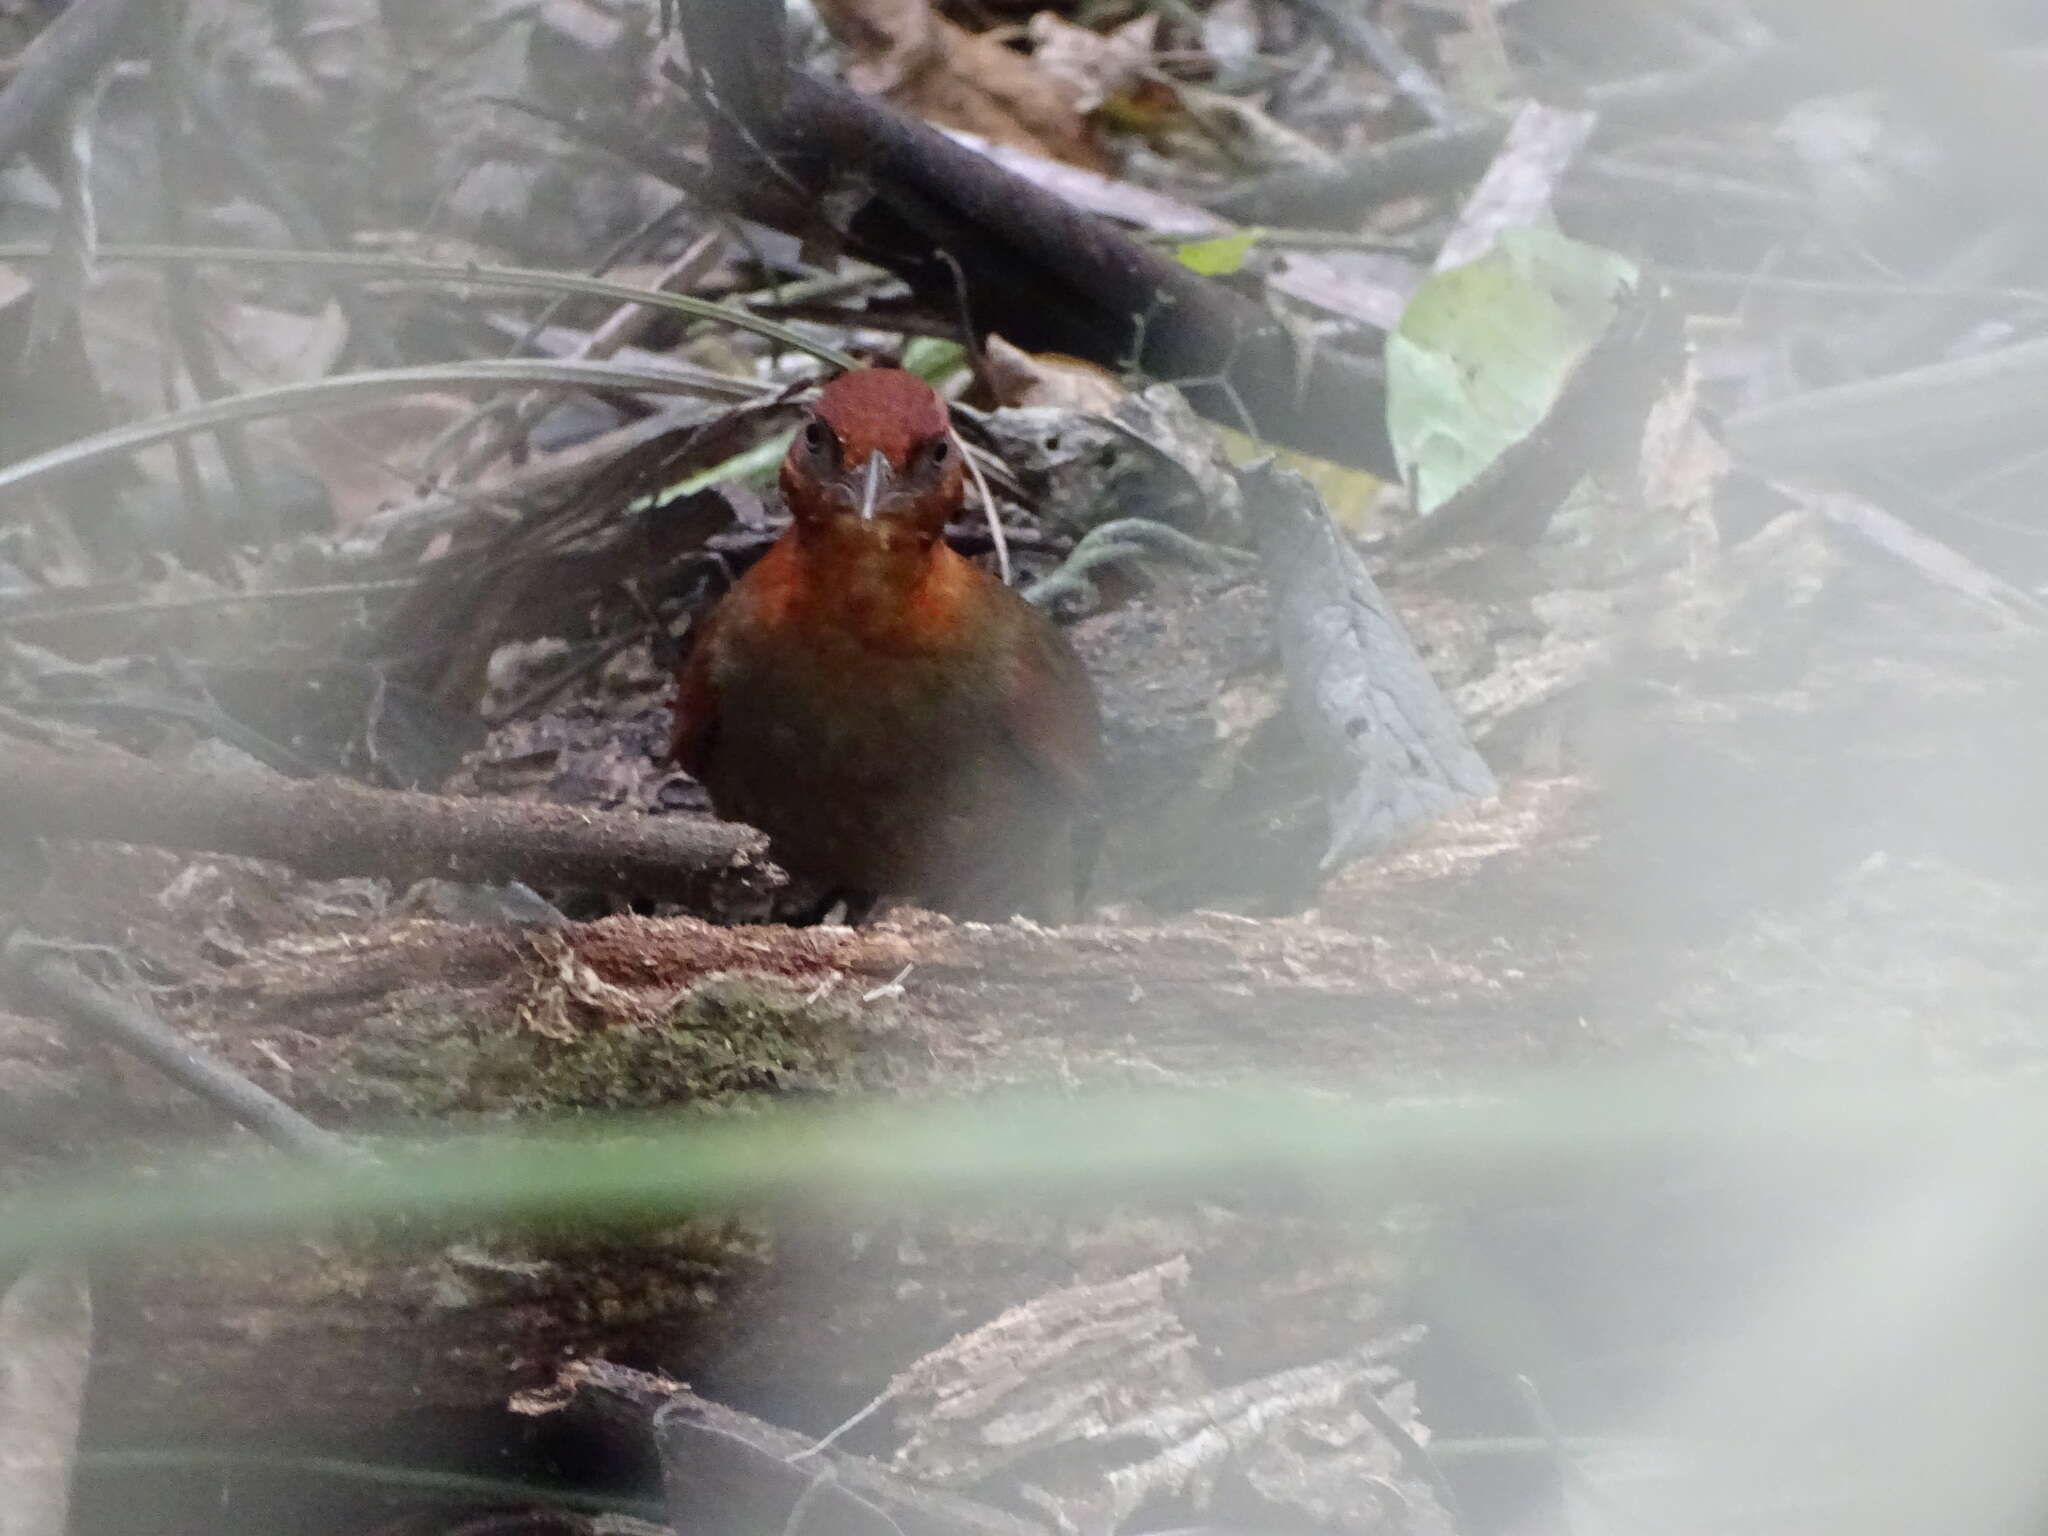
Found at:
<point>939,451</point>
<point>814,436</point>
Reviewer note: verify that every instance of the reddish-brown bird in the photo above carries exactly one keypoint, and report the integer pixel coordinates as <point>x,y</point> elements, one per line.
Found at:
<point>896,720</point>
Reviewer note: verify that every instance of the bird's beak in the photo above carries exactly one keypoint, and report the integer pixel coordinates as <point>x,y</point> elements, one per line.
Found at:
<point>871,479</point>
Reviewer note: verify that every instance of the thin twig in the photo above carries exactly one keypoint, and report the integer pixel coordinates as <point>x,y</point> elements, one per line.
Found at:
<point>388,1479</point>
<point>1126,538</point>
<point>1436,158</point>
<point>55,982</point>
<point>553,683</point>
<point>364,265</point>
<point>66,54</point>
<point>350,389</point>
<point>1851,288</point>
<point>997,536</point>
<point>1413,1455</point>
<point>248,157</point>
<point>1569,1470</point>
<point>622,327</point>
<point>1355,33</point>
<point>1042,273</point>
<point>845,1426</point>
<point>181,295</point>
<point>429,468</point>
<point>208,600</point>
<point>203,524</point>
<point>650,229</point>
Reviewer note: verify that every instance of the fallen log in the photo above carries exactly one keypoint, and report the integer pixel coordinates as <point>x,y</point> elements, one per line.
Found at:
<point>329,827</point>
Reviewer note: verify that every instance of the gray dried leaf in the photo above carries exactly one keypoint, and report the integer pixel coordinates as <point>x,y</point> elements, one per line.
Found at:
<point>45,1348</point>
<point>1151,457</point>
<point>1060,1368</point>
<point>1541,144</point>
<point>1397,753</point>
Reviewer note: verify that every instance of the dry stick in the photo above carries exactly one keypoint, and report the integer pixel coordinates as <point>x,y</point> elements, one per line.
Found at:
<point>1851,290</point>
<point>649,230</point>
<point>207,530</point>
<point>248,158</point>
<point>60,63</point>
<point>441,509</point>
<point>1042,273</point>
<point>329,828</point>
<point>55,983</point>
<point>740,1472</point>
<point>46,1342</point>
<point>343,390</point>
<point>625,324</point>
<point>181,294</point>
<point>429,469</point>
<point>1749,82</point>
<point>1709,194</point>
<point>1414,1456</point>
<point>977,361</point>
<point>1353,32</point>
<point>351,590</point>
<point>65,159</point>
<point>1991,399</point>
<point>1051,278</point>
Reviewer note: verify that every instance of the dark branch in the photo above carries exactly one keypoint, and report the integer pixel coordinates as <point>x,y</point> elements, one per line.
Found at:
<point>329,828</point>
<point>60,63</point>
<point>1442,159</point>
<point>53,982</point>
<point>835,165</point>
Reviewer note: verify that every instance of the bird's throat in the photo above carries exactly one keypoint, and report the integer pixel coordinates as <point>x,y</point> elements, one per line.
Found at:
<point>879,585</point>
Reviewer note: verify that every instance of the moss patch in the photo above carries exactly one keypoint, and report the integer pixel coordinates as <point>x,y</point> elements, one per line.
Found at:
<point>734,1036</point>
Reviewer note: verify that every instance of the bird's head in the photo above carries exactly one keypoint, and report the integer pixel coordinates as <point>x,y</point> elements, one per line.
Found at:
<point>876,461</point>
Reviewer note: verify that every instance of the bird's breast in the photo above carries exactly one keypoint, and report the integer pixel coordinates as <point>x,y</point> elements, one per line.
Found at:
<point>875,769</point>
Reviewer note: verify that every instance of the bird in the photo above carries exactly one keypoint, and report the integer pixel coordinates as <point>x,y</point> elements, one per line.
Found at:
<point>898,722</point>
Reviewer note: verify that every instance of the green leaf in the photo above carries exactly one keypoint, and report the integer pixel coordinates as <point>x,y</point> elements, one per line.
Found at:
<point>1483,349</point>
<point>752,466</point>
<point>986,1149</point>
<point>933,359</point>
<point>1220,255</point>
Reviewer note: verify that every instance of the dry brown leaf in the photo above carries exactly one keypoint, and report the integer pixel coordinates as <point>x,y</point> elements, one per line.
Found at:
<point>260,346</point>
<point>1236,134</point>
<point>890,41</point>
<point>369,458</point>
<point>1683,464</point>
<point>365,459</point>
<point>927,66</point>
<point>1064,383</point>
<point>1092,66</point>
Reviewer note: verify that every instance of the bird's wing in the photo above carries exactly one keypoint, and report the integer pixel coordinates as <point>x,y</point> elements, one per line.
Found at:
<point>1055,724</point>
<point>696,706</point>
<point>1052,716</point>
